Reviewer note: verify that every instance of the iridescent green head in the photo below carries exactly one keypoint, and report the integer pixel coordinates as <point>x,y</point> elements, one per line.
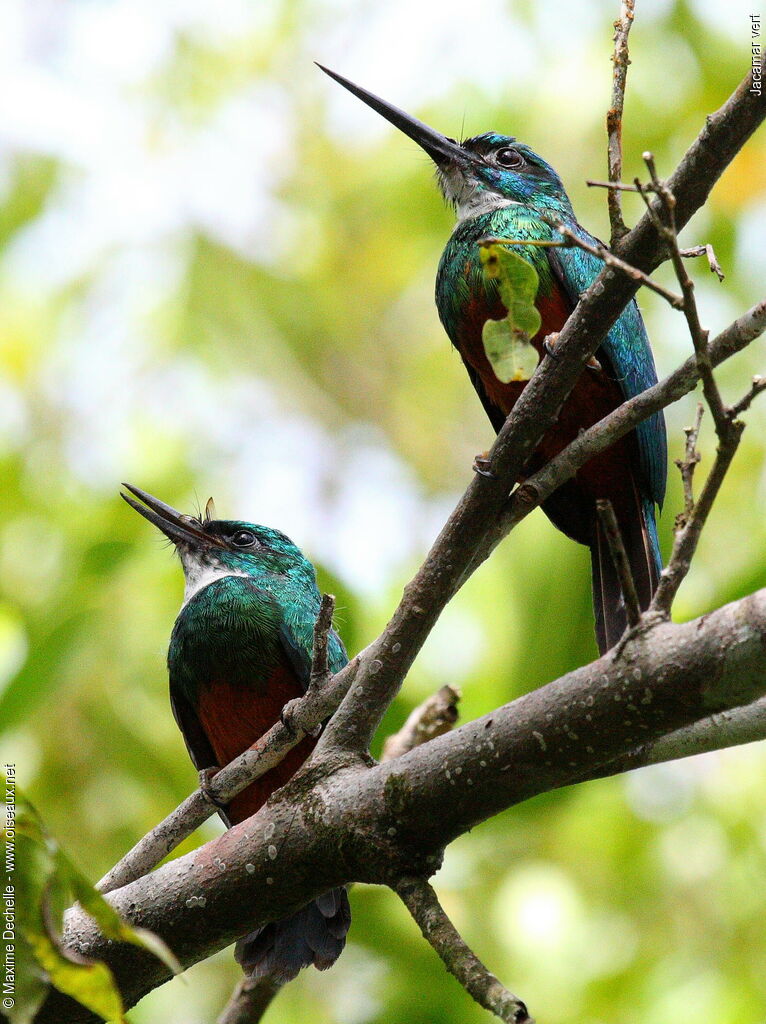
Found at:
<point>480,174</point>
<point>210,548</point>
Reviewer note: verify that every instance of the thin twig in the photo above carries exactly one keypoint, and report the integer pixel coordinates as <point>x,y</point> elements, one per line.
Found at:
<point>538,487</point>
<point>689,526</point>
<point>435,716</point>
<point>703,250</point>
<point>618,186</point>
<point>571,240</point>
<point>675,300</point>
<point>699,335</point>
<point>687,538</point>
<point>314,708</point>
<point>619,560</point>
<point>319,670</point>
<point>758,385</point>
<point>249,1001</point>
<point>620,60</point>
<point>296,714</point>
<point>687,465</point>
<point>422,902</point>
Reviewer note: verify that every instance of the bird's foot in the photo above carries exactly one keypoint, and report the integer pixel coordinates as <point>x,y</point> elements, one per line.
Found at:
<point>548,347</point>
<point>548,342</point>
<point>482,464</point>
<point>206,776</point>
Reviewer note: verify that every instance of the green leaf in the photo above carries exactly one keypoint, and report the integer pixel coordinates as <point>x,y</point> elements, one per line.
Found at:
<point>45,881</point>
<point>511,355</point>
<point>89,982</point>
<point>507,342</point>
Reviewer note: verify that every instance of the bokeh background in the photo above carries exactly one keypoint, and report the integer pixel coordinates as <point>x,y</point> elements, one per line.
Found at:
<point>216,277</point>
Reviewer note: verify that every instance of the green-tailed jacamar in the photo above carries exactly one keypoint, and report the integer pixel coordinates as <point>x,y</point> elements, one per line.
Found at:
<point>240,650</point>
<point>501,188</point>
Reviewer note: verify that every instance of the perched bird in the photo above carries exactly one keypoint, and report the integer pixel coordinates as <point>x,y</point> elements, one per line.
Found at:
<point>240,650</point>
<point>500,188</point>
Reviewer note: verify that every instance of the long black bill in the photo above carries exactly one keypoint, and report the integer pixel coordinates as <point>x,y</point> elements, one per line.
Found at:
<point>443,151</point>
<point>175,525</point>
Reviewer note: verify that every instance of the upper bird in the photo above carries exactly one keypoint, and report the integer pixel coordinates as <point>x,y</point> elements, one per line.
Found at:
<point>240,650</point>
<point>500,188</point>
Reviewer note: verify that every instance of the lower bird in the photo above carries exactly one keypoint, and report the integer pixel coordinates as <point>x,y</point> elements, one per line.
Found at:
<point>240,650</point>
<point>501,188</point>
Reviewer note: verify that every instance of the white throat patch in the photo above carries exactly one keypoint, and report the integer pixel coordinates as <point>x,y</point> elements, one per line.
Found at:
<point>199,575</point>
<point>469,199</point>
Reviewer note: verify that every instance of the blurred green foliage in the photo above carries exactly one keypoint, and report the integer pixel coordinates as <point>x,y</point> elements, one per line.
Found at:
<point>216,275</point>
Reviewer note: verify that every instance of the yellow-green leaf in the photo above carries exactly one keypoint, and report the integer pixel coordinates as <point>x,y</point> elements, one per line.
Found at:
<point>507,342</point>
<point>511,355</point>
<point>45,882</point>
<point>90,983</point>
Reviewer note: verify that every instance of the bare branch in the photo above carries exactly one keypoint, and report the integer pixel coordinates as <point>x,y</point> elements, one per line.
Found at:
<point>690,524</point>
<point>676,301</point>
<point>195,810</point>
<point>619,186</point>
<point>267,752</point>
<point>435,716</point>
<point>717,732</point>
<point>611,428</point>
<point>687,538</point>
<point>758,385</point>
<point>669,234</point>
<point>298,715</point>
<point>454,554</point>
<point>320,672</point>
<point>620,61</point>
<point>418,896</point>
<point>620,560</point>
<point>687,465</point>
<point>339,828</point>
<point>249,1001</point>
<point>704,250</point>
<point>375,676</point>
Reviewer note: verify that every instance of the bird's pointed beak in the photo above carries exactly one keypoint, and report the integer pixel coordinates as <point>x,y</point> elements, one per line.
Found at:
<point>442,150</point>
<point>175,525</point>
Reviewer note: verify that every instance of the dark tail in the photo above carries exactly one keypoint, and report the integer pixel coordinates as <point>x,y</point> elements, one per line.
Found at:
<point>639,535</point>
<point>316,935</point>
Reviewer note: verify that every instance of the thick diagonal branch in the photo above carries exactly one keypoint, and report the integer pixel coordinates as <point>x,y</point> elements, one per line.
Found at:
<point>538,487</point>
<point>449,562</point>
<point>378,823</point>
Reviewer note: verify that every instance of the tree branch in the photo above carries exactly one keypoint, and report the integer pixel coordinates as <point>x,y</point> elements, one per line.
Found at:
<point>620,60</point>
<point>373,678</point>
<point>453,555</point>
<point>380,823</point>
<point>311,710</point>
<point>717,732</point>
<point>536,488</point>
<point>435,716</point>
<point>249,1001</point>
<point>422,902</point>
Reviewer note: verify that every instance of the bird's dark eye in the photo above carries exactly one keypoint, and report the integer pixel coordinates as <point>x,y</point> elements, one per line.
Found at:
<point>243,538</point>
<point>509,157</point>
